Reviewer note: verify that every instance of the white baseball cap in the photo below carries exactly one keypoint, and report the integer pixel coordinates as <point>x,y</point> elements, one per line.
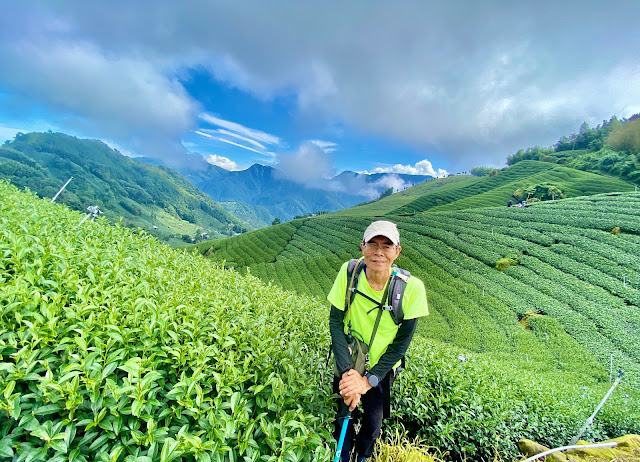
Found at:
<point>382,228</point>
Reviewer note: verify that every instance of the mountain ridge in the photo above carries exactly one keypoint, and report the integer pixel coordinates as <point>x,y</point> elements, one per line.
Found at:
<point>270,189</point>
<point>155,198</point>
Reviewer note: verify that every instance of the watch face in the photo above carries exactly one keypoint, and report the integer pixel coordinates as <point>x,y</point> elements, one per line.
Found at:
<point>373,380</point>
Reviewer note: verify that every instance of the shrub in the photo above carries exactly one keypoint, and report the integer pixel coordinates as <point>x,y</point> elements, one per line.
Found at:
<point>399,447</point>
<point>506,262</point>
<point>542,191</point>
<point>115,347</point>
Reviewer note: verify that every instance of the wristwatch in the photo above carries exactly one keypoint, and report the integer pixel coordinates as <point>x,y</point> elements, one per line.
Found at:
<point>373,380</point>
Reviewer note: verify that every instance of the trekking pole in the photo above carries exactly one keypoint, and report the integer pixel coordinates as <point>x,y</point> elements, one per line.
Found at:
<point>343,434</point>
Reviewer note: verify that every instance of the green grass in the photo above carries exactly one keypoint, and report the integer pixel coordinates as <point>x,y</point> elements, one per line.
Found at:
<point>262,245</point>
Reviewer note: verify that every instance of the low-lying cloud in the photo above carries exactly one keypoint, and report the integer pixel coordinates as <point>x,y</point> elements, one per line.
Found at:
<point>313,167</point>
<point>308,165</point>
<point>424,167</point>
<point>223,162</point>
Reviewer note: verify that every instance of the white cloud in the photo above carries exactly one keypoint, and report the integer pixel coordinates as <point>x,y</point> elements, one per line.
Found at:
<point>223,162</point>
<point>254,134</point>
<point>270,154</point>
<point>308,165</point>
<point>206,135</point>
<point>224,140</point>
<point>127,99</point>
<point>326,146</point>
<point>424,167</point>
<point>243,138</point>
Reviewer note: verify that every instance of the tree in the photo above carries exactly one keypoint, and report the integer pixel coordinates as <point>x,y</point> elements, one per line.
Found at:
<point>535,153</point>
<point>584,128</point>
<point>626,137</point>
<point>484,171</point>
<point>386,192</point>
<point>276,221</point>
<point>543,192</point>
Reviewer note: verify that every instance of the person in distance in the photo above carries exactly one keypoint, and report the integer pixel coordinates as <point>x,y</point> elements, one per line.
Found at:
<point>375,308</point>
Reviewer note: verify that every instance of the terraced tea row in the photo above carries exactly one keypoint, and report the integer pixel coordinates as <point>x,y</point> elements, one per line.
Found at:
<point>567,265</point>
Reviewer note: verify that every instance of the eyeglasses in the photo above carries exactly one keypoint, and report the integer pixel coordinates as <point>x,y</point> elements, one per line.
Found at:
<point>372,246</point>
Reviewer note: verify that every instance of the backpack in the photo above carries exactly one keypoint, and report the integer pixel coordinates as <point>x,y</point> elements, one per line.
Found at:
<point>393,291</point>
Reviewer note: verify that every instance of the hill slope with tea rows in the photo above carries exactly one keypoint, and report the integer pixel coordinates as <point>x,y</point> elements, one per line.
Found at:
<point>115,347</point>
<point>466,191</point>
<point>568,277</point>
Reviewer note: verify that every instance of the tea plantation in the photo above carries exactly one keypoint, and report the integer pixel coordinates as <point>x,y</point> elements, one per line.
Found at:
<point>114,347</point>
<point>466,191</point>
<point>564,312</point>
<point>571,276</point>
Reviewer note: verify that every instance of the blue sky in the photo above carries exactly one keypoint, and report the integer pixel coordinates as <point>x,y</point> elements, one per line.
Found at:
<point>316,88</point>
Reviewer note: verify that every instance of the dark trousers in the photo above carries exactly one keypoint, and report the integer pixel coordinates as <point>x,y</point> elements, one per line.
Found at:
<point>373,407</point>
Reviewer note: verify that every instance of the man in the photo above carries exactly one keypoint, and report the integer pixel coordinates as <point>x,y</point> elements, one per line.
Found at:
<point>367,320</point>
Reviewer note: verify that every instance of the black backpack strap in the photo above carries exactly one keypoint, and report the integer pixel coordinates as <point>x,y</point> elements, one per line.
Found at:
<point>354,269</point>
<point>397,284</point>
<point>393,292</point>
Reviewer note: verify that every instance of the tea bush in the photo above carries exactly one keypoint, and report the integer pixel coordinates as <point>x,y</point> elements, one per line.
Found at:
<point>474,408</point>
<point>114,347</point>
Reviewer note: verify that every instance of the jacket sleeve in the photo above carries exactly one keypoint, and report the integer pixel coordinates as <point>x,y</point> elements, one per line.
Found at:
<point>339,341</point>
<point>396,350</point>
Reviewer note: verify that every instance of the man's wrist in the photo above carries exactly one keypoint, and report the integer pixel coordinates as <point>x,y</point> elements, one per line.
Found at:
<point>372,379</point>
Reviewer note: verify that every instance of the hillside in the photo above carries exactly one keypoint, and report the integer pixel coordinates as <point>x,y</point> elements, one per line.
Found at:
<point>144,196</point>
<point>497,190</point>
<point>395,201</point>
<point>612,148</point>
<point>263,188</point>
<point>465,191</point>
<point>572,277</point>
<point>114,346</point>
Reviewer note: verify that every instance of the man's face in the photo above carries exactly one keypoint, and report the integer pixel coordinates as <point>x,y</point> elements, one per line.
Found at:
<point>380,253</point>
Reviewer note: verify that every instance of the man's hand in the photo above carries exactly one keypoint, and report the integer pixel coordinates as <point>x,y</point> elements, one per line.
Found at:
<point>352,387</point>
<point>352,401</point>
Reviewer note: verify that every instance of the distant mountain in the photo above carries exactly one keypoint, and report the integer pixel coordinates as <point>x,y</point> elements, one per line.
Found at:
<point>155,198</point>
<point>267,188</point>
